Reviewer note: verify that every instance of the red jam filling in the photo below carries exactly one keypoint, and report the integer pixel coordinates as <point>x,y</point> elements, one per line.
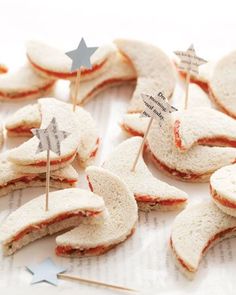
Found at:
<point>69,250</point>
<point>131,131</point>
<point>222,200</point>
<point>216,141</point>
<point>176,173</point>
<point>52,162</point>
<point>61,75</point>
<point>166,202</point>
<point>26,93</point>
<point>28,179</point>
<point>59,218</point>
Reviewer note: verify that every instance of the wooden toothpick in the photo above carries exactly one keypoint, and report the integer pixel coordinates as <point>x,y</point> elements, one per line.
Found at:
<point>47,179</point>
<point>80,58</point>
<point>50,139</point>
<point>142,144</point>
<point>189,63</point>
<point>187,81</point>
<point>76,91</point>
<point>82,280</point>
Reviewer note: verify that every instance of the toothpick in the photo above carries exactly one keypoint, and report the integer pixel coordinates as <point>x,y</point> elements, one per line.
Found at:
<point>187,81</point>
<point>47,178</point>
<point>77,278</point>
<point>76,91</point>
<point>142,144</point>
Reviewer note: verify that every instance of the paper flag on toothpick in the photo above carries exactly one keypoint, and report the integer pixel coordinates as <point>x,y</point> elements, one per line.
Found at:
<point>81,57</point>
<point>50,139</point>
<point>156,107</point>
<point>48,271</point>
<point>189,63</point>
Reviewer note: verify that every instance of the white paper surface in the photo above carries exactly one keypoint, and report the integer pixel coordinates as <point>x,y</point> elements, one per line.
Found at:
<point>143,261</point>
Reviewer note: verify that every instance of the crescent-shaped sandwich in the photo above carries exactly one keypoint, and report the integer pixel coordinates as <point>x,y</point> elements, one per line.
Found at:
<point>30,116</point>
<point>118,225</point>
<point>203,126</point>
<point>25,156</point>
<point>195,165</point>
<point>222,84</point>
<point>223,189</point>
<point>149,192</point>
<point>24,84</point>
<point>136,126</point>
<point>31,222</point>
<point>53,63</point>
<point>194,231</point>
<point>153,67</point>
<point>121,71</point>
<point>12,179</point>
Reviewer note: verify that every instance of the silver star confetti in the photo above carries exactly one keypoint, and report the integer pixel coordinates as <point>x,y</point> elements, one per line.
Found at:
<point>50,138</point>
<point>189,61</point>
<point>157,107</point>
<point>46,271</point>
<point>81,56</point>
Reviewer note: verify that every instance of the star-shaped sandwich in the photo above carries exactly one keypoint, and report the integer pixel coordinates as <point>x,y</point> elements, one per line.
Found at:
<point>157,107</point>
<point>81,56</point>
<point>46,271</point>
<point>50,138</point>
<point>189,61</point>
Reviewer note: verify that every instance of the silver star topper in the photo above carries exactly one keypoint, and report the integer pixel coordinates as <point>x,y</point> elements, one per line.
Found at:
<point>46,271</point>
<point>81,56</point>
<point>50,138</point>
<point>157,107</point>
<point>189,61</point>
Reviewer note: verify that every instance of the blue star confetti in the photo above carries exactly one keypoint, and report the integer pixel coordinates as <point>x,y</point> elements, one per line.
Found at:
<point>81,56</point>
<point>46,271</point>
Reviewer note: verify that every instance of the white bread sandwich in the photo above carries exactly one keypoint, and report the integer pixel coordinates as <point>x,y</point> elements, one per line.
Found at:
<point>30,222</point>
<point>53,63</point>
<point>23,120</point>
<point>12,179</point>
<point>121,71</point>
<point>149,192</point>
<point>96,239</point>
<point>24,84</point>
<point>133,125</point>
<point>153,67</point>
<point>222,84</point>
<point>194,231</point>
<point>25,156</point>
<point>30,116</point>
<point>223,189</point>
<point>195,165</point>
<point>203,126</point>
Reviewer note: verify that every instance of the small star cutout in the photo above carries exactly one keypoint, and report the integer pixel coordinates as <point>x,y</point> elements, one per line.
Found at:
<point>50,138</point>
<point>189,61</point>
<point>81,56</point>
<point>156,107</point>
<point>46,271</point>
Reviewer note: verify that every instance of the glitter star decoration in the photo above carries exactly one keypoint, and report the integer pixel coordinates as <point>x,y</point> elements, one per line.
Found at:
<point>81,56</point>
<point>50,138</point>
<point>189,61</point>
<point>157,107</point>
<point>46,271</point>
